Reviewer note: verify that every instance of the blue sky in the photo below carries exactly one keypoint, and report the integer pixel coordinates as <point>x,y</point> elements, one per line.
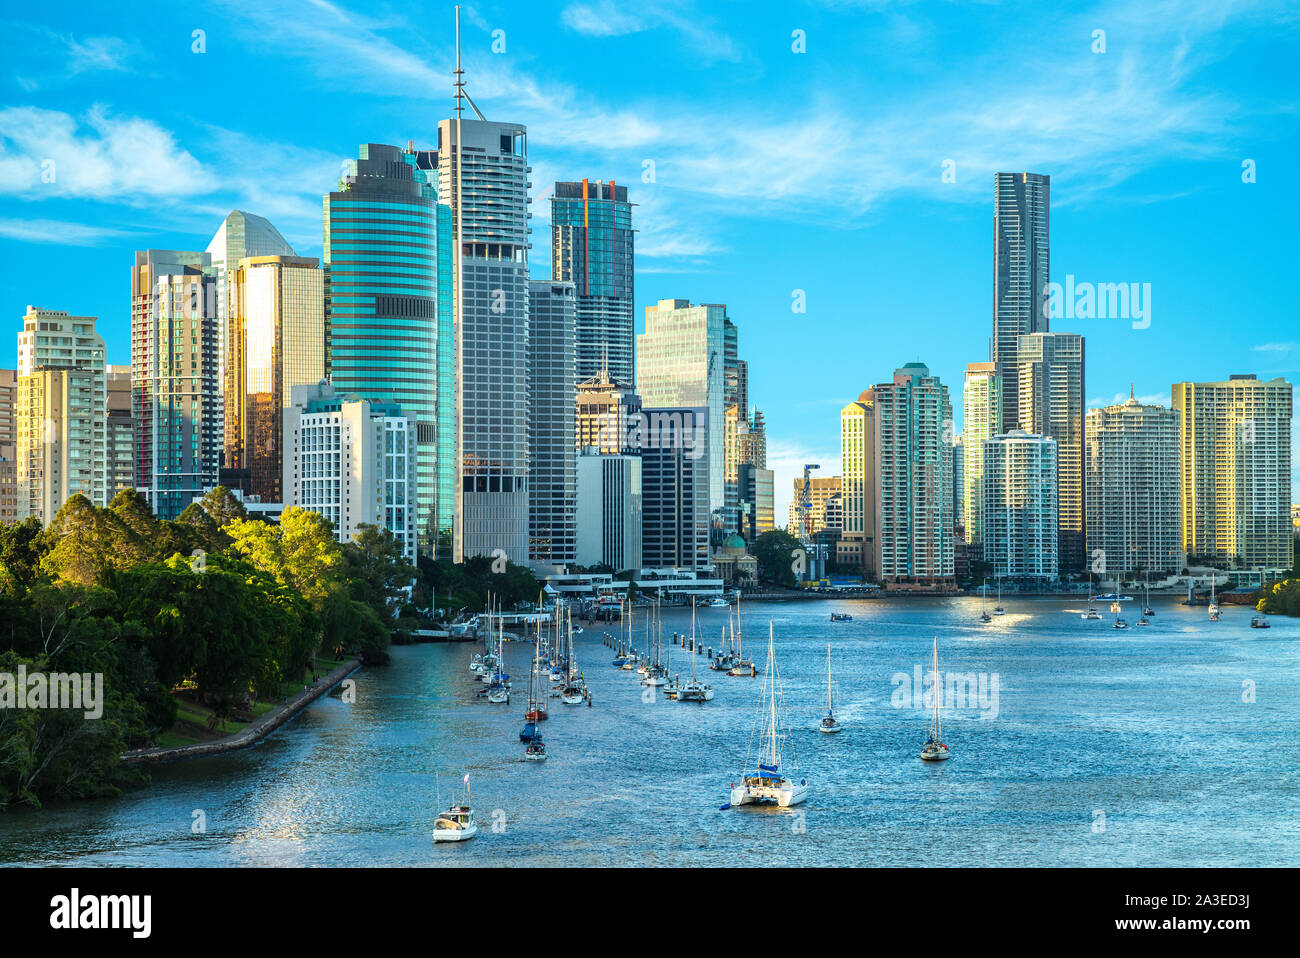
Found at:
<point>774,171</point>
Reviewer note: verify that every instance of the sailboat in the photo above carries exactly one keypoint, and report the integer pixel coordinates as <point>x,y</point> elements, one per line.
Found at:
<point>1092,612</point>
<point>574,691</point>
<point>830,725</point>
<point>535,750</point>
<point>457,823</point>
<point>694,690</point>
<point>934,750</point>
<point>997,609</point>
<point>984,592</point>
<point>1120,622</point>
<point>1147,611</point>
<point>741,666</point>
<point>1214,606</point>
<point>655,673</point>
<point>536,711</point>
<point>767,784</point>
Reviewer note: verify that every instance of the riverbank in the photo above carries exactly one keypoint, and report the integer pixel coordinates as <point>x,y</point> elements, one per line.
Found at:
<point>252,733</point>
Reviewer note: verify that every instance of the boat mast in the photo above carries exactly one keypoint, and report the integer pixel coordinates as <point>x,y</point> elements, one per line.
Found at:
<point>937,732</point>
<point>829,704</point>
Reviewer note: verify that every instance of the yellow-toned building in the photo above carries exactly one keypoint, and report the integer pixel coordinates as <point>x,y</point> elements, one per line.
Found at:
<point>1235,471</point>
<point>275,340</point>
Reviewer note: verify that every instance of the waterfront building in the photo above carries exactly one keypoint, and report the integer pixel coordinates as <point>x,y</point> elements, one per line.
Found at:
<point>681,363</point>
<point>1050,391</point>
<point>856,547</point>
<point>1021,268</point>
<point>275,340</point>
<point>757,495</point>
<point>387,254</point>
<point>1020,514</point>
<point>982,419</point>
<point>675,515</point>
<point>60,413</point>
<point>913,466</point>
<point>175,392</point>
<point>1235,469</point>
<point>610,518</point>
<point>552,414</point>
<point>592,245</point>
<point>1134,514</point>
<point>482,174</point>
<point>119,432</point>
<point>352,461</point>
<point>824,490</point>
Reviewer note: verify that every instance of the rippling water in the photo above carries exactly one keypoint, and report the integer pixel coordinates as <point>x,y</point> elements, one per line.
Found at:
<point>1147,727</point>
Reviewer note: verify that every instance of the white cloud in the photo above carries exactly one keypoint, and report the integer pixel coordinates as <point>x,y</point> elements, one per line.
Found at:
<point>787,459</point>
<point>57,231</point>
<point>608,18</point>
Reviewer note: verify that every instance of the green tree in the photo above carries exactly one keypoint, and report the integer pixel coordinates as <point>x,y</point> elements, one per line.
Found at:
<point>775,552</point>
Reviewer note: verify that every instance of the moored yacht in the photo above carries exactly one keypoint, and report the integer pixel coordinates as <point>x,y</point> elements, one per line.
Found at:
<point>767,784</point>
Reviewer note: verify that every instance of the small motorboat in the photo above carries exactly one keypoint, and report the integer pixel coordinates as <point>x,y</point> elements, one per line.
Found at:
<point>841,617</point>
<point>499,695</point>
<point>717,602</point>
<point>1259,622</point>
<point>456,824</point>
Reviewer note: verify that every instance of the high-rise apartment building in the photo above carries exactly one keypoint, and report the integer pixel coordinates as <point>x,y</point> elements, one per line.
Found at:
<point>913,460</point>
<point>959,483</point>
<point>552,413</point>
<point>1235,466</point>
<point>60,415</point>
<point>1019,511</point>
<point>1021,261</point>
<point>351,461</point>
<point>982,419</point>
<point>175,392</point>
<point>1050,390</point>
<point>387,257</point>
<point>275,340</point>
<point>119,432</point>
<point>1133,489</point>
<point>8,447</point>
<point>856,547</point>
<point>675,514</point>
<point>482,173</point>
<point>681,362</point>
<point>592,248</point>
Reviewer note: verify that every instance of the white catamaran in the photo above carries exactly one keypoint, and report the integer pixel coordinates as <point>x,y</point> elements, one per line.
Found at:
<point>767,784</point>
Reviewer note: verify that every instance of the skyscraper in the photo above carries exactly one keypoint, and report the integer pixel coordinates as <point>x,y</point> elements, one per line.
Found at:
<point>8,447</point>
<point>1235,456</point>
<point>552,480</point>
<point>275,340</point>
<point>482,169</point>
<point>609,518</point>
<point>119,433</point>
<point>1133,489</point>
<point>1019,488</point>
<point>592,248</point>
<point>1021,261</point>
<point>60,413</point>
<point>681,360</point>
<point>1050,390</point>
<point>384,262</point>
<point>175,393</point>
<point>982,419</point>
<point>675,515</point>
<point>605,407</point>
<point>856,547</point>
<point>240,235</point>
<point>352,461</point>
<point>913,461</point>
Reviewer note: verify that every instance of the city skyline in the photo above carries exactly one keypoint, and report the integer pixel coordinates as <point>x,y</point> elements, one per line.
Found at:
<point>715,224</point>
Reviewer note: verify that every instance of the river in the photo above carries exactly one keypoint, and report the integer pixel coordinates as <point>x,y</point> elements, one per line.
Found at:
<point>1107,748</point>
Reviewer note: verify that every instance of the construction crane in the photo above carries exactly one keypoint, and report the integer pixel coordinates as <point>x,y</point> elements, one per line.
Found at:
<point>805,502</point>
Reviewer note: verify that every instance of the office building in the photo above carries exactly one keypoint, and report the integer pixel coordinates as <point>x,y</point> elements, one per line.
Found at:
<point>552,414</point>
<point>675,514</point>
<point>856,547</point>
<point>609,518</point>
<point>351,461</point>
<point>606,407</point>
<point>592,247</point>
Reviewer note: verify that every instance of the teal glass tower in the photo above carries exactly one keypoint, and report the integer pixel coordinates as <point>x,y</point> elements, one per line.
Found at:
<point>387,254</point>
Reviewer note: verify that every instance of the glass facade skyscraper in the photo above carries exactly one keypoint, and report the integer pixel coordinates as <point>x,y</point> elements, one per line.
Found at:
<point>592,247</point>
<point>552,414</point>
<point>384,264</point>
<point>1021,259</point>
